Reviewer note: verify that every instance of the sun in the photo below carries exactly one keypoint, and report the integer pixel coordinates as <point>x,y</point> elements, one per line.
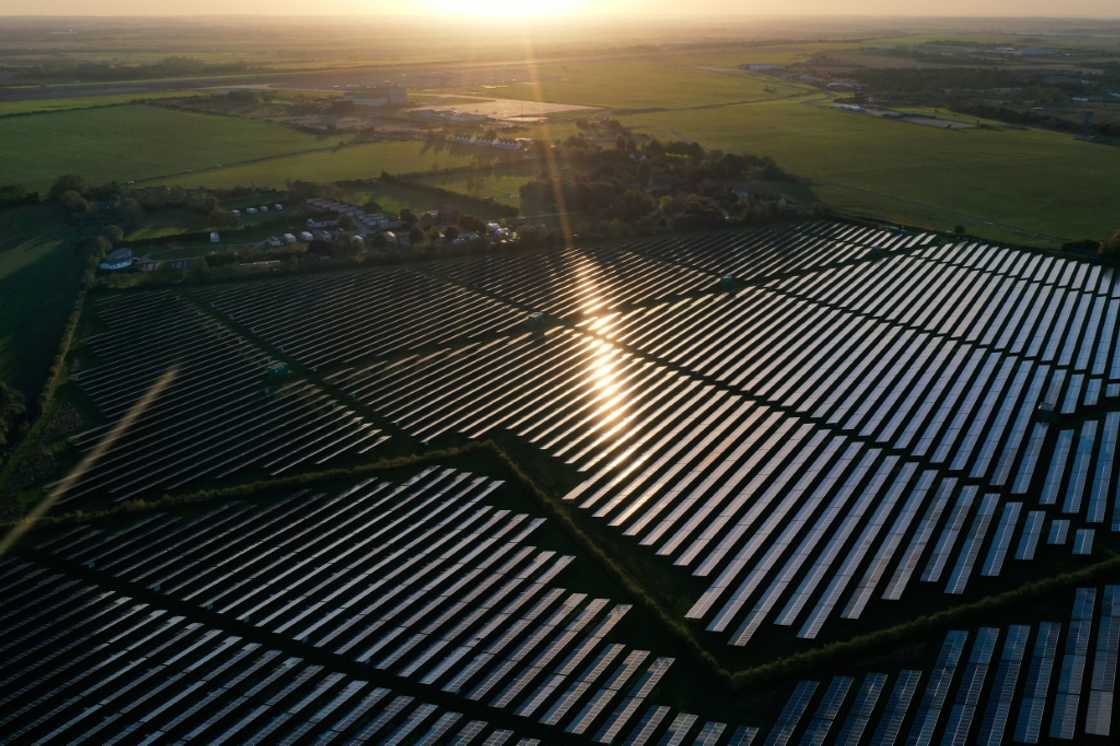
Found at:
<point>508,9</point>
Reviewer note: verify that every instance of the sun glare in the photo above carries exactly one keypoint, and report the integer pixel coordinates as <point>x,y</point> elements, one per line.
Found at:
<point>507,9</point>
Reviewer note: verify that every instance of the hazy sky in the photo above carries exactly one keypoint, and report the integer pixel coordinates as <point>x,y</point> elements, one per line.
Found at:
<point>1100,8</point>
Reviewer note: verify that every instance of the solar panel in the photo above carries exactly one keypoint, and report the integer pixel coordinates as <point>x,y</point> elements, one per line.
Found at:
<point>784,727</point>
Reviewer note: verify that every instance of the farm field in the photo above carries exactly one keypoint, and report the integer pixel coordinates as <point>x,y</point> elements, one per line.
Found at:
<point>498,186</point>
<point>39,275</point>
<point>135,142</point>
<point>779,438</point>
<point>31,106</point>
<point>365,161</point>
<point>396,196</point>
<point>640,84</point>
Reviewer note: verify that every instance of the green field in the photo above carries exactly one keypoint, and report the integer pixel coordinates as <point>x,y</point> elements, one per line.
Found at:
<point>39,275</point>
<point>353,162</point>
<point>663,83</point>
<point>500,187</point>
<point>991,181</point>
<point>135,142</point>
<point>44,105</point>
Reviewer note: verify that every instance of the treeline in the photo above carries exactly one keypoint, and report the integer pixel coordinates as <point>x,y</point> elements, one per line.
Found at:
<point>1029,118</point>
<point>88,71</point>
<point>14,195</point>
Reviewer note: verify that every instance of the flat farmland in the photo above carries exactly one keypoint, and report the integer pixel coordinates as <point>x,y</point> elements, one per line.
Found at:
<point>14,106</point>
<point>991,181</point>
<point>365,161</point>
<point>135,142</point>
<point>500,187</point>
<point>652,83</point>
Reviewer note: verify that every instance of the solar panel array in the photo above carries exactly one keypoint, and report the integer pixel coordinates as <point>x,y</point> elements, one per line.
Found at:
<point>344,316</point>
<point>84,663</point>
<point>1017,684</point>
<point>573,282</point>
<point>752,256</point>
<point>194,398</point>
<point>424,582</point>
<point>880,409</point>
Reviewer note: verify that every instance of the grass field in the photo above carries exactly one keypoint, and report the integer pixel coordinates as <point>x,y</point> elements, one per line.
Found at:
<point>135,142</point>
<point>500,187</point>
<point>355,162</point>
<point>39,276</point>
<point>45,105</point>
<point>988,180</point>
<point>645,84</point>
<point>394,197</point>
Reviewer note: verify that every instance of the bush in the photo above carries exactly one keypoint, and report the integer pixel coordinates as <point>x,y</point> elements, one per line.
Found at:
<point>1110,247</point>
<point>13,412</point>
<point>66,183</point>
<point>74,202</point>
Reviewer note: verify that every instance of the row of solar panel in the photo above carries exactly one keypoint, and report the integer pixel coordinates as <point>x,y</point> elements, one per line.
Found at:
<point>692,470</point>
<point>425,580</point>
<point>85,664</point>
<point>774,251</point>
<point>994,694</point>
<point>185,400</point>
<point>339,317</point>
<point>1081,477</point>
<point>1018,264</point>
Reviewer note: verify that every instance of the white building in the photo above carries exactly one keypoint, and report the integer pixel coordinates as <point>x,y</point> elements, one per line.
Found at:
<point>116,261</point>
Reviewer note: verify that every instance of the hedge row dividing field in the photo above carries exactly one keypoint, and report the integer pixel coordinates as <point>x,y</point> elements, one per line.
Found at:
<point>425,581</point>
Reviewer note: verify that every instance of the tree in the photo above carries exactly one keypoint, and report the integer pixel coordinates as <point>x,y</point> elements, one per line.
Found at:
<point>451,233</point>
<point>408,217</point>
<point>102,246</point>
<point>471,223</point>
<point>74,202</point>
<point>347,223</point>
<point>631,205</point>
<point>113,233</point>
<point>130,212</point>
<point>66,183</point>
<point>1110,247</point>
<point>219,218</point>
